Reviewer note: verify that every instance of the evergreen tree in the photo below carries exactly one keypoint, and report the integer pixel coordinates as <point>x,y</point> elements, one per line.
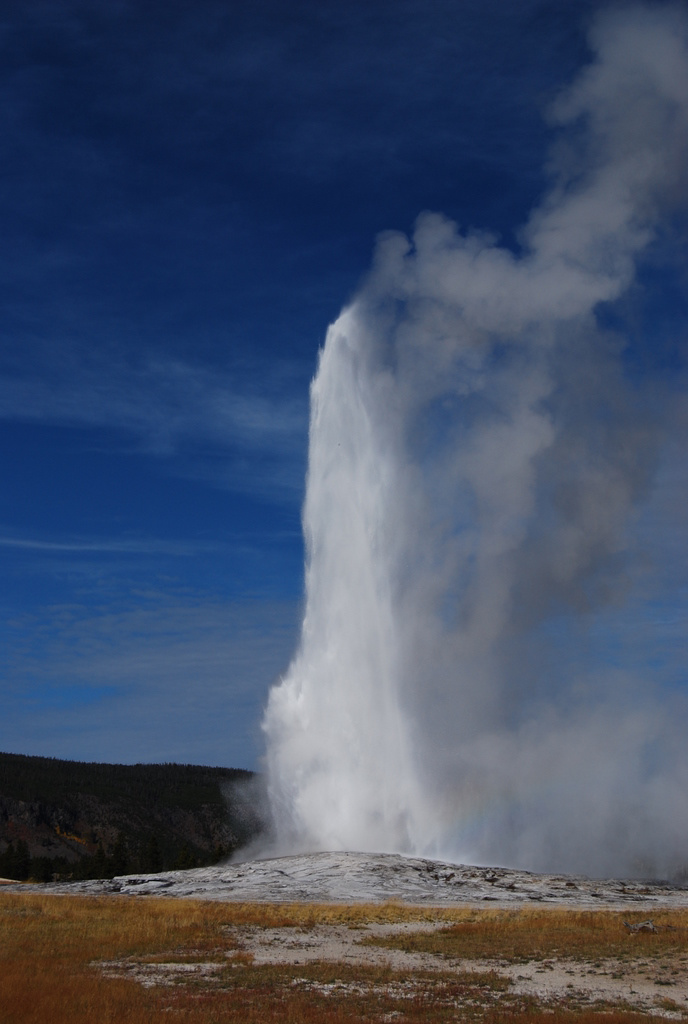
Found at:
<point>152,858</point>
<point>120,856</point>
<point>16,861</point>
<point>41,869</point>
<point>7,861</point>
<point>185,859</point>
<point>99,864</point>
<point>22,861</point>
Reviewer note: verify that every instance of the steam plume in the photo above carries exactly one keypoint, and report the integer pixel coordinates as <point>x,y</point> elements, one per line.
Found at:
<point>477,454</point>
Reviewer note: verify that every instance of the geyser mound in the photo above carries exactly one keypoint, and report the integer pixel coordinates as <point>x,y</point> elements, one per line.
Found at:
<point>482,454</point>
<point>376,878</point>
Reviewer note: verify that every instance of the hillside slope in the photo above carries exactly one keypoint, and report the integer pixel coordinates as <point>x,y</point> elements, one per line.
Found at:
<point>80,820</point>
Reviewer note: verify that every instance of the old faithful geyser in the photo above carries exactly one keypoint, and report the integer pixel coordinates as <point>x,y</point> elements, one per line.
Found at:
<point>480,457</point>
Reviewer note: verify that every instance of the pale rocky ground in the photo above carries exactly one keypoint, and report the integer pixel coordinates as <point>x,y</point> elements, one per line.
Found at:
<point>633,981</point>
<point>376,878</point>
<point>660,989</point>
<point>659,986</point>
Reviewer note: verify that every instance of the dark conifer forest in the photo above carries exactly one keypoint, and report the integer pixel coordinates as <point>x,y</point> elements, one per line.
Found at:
<point>62,820</point>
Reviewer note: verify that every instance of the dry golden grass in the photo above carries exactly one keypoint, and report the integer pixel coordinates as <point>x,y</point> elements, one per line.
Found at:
<point>52,949</point>
<point>307,915</point>
<point>532,934</point>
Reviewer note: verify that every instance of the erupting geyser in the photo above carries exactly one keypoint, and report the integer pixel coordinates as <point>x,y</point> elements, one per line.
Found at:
<point>479,448</point>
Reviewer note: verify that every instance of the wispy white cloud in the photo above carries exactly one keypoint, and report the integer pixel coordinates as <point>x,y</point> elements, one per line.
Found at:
<point>170,680</point>
<point>162,401</point>
<point>167,407</point>
<point>150,546</point>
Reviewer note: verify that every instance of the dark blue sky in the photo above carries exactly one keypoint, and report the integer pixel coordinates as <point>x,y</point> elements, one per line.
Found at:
<point>189,192</point>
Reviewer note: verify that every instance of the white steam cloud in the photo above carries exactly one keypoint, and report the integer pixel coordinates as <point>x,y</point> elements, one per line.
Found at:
<point>476,454</point>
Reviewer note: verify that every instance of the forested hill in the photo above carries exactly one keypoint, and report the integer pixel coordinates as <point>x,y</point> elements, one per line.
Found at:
<point>76,819</point>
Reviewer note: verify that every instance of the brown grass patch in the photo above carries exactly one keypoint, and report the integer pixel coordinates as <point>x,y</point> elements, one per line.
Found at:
<point>53,948</point>
<point>530,934</point>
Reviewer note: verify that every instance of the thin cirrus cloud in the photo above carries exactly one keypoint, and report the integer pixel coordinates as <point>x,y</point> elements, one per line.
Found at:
<point>149,546</point>
<point>166,406</point>
<point>167,679</point>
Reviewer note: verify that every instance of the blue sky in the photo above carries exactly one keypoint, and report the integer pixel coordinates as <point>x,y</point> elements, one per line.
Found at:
<point>189,194</point>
